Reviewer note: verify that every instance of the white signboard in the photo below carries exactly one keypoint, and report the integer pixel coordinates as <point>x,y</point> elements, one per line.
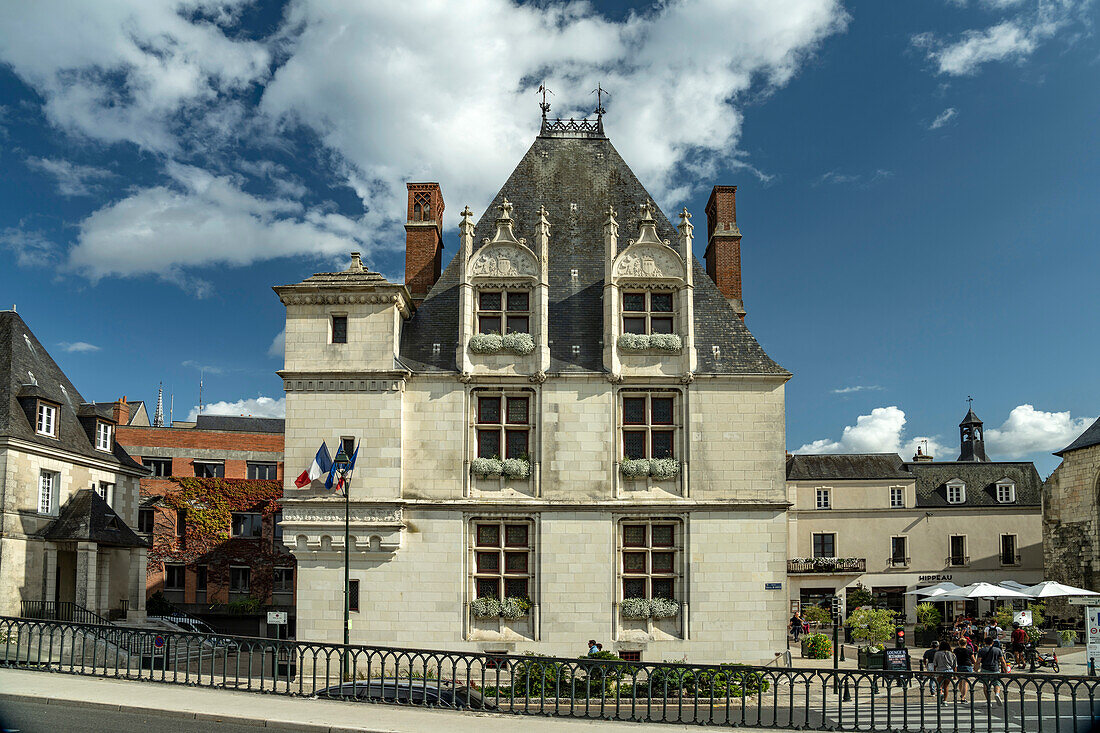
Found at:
<point>1022,617</point>
<point>276,617</point>
<point>1092,633</point>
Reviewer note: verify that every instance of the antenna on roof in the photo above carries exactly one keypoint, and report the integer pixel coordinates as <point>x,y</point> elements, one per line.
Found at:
<point>599,91</point>
<point>171,409</point>
<point>158,416</point>
<point>201,373</point>
<point>544,105</point>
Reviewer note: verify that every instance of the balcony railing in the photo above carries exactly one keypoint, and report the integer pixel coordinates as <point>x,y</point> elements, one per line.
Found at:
<point>956,561</point>
<point>797,566</point>
<point>897,562</point>
<point>1009,559</point>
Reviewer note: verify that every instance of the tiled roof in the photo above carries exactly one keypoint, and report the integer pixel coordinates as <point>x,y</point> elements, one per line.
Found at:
<point>27,372</point>
<point>86,517</point>
<point>980,479</point>
<point>846,466</point>
<point>1087,439</point>
<point>241,424</point>
<point>576,180</point>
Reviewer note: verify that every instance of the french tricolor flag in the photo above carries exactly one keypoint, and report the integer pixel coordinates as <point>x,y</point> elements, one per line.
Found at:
<point>321,465</point>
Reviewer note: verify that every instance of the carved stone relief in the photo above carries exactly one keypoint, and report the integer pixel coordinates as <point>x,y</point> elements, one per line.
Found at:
<point>649,262</point>
<point>503,261</point>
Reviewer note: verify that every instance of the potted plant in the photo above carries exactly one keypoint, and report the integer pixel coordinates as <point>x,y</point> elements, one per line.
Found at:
<point>816,616</point>
<point>927,629</point>
<point>635,608</point>
<point>875,627</point>
<point>1067,637</point>
<point>816,646</point>
<point>514,608</point>
<point>485,607</point>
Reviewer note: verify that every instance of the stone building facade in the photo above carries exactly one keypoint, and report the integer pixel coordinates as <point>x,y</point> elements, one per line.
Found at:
<point>574,416</point>
<point>1071,515</point>
<point>68,493</point>
<point>876,521</point>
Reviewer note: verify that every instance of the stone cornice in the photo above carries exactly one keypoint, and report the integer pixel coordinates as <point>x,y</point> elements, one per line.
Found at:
<point>62,455</point>
<point>340,293</point>
<point>519,504</point>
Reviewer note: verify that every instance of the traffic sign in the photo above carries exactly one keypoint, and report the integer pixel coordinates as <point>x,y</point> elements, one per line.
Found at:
<point>1092,626</point>
<point>158,641</point>
<point>1023,617</point>
<point>276,617</point>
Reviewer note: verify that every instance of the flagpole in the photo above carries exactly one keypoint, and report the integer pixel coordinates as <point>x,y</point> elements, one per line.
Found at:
<point>347,571</point>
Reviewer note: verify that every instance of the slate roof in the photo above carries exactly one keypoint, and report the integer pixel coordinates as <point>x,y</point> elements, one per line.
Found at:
<point>576,180</point>
<point>28,372</point>
<point>86,517</point>
<point>847,466</point>
<point>240,423</point>
<point>980,479</point>
<point>1087,439</point>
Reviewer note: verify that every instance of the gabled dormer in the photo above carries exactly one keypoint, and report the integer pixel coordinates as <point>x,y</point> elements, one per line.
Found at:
<point>504,298</point>
<point>648,300</point>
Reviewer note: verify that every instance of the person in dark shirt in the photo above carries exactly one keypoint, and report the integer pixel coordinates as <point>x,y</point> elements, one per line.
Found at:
<point>965,657</point>
<point>1019,640</point>
<point>796,625</point>
<point>991,660</point>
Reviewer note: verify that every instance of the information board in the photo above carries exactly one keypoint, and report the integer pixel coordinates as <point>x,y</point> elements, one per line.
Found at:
<point>1092,633</point>
<point>896,660</point>
<point>276,617</point>
<point>1022,617</point>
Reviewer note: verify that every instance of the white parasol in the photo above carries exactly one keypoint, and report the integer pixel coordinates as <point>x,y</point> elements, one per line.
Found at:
<point>934,590</point>
<point>1051,589</point>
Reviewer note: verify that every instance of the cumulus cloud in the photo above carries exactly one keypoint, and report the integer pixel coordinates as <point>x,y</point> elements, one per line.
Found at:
<point>943,118</point>
<point>201,219</point>
<point>882,431</point>
<point>72,179</point>
<point>249,407</point>
<point>78,346</point>
<point>1028,430</point>
<point>1013,39</point>
<point>386,101</point>
<point>277,350</point>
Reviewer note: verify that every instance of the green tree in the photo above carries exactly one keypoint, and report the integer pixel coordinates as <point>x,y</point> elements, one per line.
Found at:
<point>859,596</point>
<point>875,626</point>
<point>928,615</point>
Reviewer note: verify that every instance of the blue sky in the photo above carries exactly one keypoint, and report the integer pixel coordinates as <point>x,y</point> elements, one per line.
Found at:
<point>917,183</point>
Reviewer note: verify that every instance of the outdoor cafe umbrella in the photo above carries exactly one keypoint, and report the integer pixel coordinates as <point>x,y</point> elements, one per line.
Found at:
<point>1051,589</point>
<point>981,591</point>
<point>1014,585</point>
<point>934,590</point>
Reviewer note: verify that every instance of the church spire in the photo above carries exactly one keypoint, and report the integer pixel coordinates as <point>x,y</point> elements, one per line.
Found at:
<point>971,437</point>
<point>158,416</point>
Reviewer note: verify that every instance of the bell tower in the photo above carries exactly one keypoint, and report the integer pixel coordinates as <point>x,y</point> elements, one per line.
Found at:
<point>972,438</point>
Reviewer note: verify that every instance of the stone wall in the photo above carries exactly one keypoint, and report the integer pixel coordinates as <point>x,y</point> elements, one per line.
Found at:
<point>1070,522</point>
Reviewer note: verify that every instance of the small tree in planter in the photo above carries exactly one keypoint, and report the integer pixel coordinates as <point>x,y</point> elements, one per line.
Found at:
<point>928,622</point>
<point>1067,637</point>
<point>859,596</point>
<point>817,616</point>
<point>876,627</point>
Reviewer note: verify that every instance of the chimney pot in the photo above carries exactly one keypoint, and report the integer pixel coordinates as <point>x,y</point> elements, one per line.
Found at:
<point>423,238</point>
<point>723,255</point>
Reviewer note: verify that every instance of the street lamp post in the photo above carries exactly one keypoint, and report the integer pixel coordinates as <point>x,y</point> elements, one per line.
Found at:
<point>340,464</point>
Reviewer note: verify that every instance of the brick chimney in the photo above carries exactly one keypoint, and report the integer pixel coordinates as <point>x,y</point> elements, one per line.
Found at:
<point>723,255</point>
<point>120,412</point>
<point>423,238</point>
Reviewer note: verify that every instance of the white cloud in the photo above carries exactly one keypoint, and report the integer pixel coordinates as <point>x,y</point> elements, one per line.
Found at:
<point>249,407</point>
<point>1013,39</point>
<point>78,346</point>
<point>837,177</point>
<point>858,388</point>
<point>944,117</point>
<point>277,350</point>
<point>879,432</point>
<point>72,179</point>
<point>32,249</point>
<point>202,219</point>
<point>1028,430</point>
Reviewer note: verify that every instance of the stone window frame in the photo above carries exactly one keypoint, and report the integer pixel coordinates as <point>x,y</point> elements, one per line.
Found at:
<point>897,497</point>
<point>104,435</point>
<point>1006,491</point>
<point>823,498</point>
<point>483,574</point>
<point>675,427</point>
<point>353,595</point>
<point>1015,555</point>
<point>333,331</point>
<point>502,312</point>
<point>42,408</point>
<point>647,315</point>
<point>959,487</point>
<point>677,549</point>
<point>49,492</point>
<point>813,543</point>
<point>502,427</point>
<point>106,491</point>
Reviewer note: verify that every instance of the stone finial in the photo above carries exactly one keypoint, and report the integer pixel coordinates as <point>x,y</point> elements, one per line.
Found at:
<point>505,223</point>
<point>505,209</point>
<point>611,226</point>
<point>542,226</point>
<point>647,226</point>
<point>466,226</point>
<point>686,227</point>
<point>647,211</point>
<point>356,263</point>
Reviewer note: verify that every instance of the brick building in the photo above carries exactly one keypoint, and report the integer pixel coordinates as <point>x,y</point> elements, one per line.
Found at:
<point>211,512</point>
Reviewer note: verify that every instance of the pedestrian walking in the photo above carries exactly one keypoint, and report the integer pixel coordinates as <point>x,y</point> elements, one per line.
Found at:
<point>964,658</point>
<point>926,664</point>
<point>944,664</point>
<point>1019,642</point>
<point>795,625</point>
<point>991,661</point>
<point>593,648</point>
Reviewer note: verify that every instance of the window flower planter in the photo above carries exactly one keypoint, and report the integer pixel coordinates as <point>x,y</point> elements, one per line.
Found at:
<point>661,469</point>
<point>511,608</point>
<point>516,467</point>
<point>492,467</point>
<point>494,343</point>
<point>669,342</point>
<point>643,608</point>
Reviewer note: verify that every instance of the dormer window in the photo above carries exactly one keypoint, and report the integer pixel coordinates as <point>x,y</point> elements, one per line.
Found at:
<point>46,419</point>
<point>956,492</point>
<point>647,312</point>
<point>504,311</point>
<point>1006,492</point>
<point>104,432</point>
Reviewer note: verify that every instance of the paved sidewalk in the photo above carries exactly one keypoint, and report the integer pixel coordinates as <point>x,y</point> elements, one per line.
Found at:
<point>280,712</point>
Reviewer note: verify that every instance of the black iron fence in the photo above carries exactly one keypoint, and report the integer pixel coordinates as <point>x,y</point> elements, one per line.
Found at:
<point>731,695</point>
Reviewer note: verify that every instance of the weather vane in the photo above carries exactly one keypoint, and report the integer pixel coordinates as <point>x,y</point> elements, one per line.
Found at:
<point>599,91</point>
<point>970,401</point>
<point>544,105</point>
